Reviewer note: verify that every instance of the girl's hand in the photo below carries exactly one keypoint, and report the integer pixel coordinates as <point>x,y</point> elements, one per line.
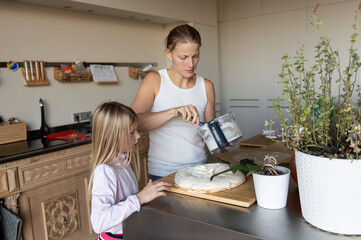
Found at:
<point>188,112</point>
<point>152,191</point>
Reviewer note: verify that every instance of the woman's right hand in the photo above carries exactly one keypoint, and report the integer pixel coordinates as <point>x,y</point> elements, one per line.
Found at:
<point>188,112</point>
<point>152,191</point>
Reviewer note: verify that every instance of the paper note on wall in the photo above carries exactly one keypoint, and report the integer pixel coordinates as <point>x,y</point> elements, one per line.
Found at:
<point>103,73</point>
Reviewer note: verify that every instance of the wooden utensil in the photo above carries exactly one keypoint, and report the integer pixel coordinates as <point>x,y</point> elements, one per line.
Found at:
<point>31,70</point>
<point>133,73</point>
<point>26,67</point>
<point>37,71</point>
<point>42,76</point>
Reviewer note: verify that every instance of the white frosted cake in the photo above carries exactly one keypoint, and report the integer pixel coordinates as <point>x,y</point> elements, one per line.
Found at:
<point>197,179</point>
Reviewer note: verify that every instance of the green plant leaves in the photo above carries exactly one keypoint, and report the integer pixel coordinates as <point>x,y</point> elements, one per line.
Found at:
<point>326,121</point>
<point>249,167</point>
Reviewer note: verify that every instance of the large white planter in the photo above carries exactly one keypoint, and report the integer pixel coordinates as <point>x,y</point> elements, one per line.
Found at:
<point>330,193</point>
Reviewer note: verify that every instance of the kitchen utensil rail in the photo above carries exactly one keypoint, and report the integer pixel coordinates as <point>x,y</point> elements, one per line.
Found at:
<point>115,64</point>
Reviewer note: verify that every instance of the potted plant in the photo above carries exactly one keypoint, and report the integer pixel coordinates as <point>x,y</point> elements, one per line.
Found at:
<point>324,131</point>
<point>270,181</point>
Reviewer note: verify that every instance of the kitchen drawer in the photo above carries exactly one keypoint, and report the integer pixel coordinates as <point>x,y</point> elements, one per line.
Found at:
<point>52,166</point>
<point>9,182</point>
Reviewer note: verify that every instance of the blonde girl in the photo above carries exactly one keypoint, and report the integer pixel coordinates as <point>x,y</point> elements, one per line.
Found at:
<point>113,183</point>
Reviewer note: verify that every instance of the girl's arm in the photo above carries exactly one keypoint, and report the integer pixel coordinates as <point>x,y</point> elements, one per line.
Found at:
<point>106,213</point>
<point>152,191</point>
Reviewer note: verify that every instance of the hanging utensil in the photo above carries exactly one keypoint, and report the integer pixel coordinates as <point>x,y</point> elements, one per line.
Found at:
<point>37,71</point>
<point>26,67</point>
<point>31,70</point>
<point>42,76</point>
<point>44,129</point>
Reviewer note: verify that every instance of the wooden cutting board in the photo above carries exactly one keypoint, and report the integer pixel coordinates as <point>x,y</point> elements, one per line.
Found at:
<point>277,150</point>
<point>257,141</point>
<point>243,195</point>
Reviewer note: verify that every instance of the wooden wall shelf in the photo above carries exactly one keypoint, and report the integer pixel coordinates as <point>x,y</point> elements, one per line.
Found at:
<point>72,77</point>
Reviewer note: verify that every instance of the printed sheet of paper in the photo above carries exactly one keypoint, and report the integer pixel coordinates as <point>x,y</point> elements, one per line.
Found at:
<point>103,73</point>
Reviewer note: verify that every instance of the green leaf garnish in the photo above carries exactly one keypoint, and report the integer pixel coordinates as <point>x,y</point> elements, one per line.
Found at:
<point>250,167</point>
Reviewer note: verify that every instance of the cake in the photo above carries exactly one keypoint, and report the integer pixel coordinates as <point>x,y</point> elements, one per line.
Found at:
<point>197,178</point>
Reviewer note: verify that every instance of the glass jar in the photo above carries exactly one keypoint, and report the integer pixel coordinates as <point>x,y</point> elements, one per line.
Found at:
<point>229,128</point>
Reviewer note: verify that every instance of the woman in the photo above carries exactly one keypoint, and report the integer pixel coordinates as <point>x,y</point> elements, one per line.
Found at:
<point>169,93</point>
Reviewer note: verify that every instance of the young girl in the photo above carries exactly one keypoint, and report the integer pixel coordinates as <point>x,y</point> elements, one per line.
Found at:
<point>113,184</point>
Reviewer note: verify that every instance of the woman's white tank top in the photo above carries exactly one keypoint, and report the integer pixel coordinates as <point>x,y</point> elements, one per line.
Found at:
<point>176,144</point>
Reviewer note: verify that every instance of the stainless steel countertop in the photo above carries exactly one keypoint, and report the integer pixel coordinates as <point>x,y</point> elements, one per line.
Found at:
<point>178,216</point>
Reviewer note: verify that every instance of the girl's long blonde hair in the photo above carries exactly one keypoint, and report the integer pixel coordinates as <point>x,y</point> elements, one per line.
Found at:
<point>110,134</point>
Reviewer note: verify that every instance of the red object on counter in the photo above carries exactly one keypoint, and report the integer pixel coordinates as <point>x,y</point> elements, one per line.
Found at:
<point>67,135</point>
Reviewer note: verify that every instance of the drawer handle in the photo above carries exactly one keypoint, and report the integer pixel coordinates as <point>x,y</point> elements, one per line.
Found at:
<point>64,220</point>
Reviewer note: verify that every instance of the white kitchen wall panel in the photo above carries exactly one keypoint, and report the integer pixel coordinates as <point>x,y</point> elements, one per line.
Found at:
<point>236,9</point>
<point>254,35</point>
<point>249,118</point>
<point>280,37</point>
<point>241,61</point>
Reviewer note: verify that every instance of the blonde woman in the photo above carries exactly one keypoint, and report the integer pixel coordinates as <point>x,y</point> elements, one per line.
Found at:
<point>113,183</point>
<point>175,144</point>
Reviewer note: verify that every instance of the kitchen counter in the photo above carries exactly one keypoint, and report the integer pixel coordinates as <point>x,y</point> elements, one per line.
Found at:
<point>35,146</point>
<point>19,150</point>
<point>178,216</point>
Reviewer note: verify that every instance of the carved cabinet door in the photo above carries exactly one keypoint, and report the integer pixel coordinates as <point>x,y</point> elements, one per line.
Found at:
<point>58,211</point>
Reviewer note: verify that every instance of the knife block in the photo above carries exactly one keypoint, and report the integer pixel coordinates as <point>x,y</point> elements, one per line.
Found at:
<point>33,72</point>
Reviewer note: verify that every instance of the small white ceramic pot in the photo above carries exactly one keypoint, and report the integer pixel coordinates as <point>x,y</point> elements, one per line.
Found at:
<point>272,191</point>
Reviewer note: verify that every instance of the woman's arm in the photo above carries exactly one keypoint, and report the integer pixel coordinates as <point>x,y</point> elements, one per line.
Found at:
<point>210,111</point>
<point>143,103</point>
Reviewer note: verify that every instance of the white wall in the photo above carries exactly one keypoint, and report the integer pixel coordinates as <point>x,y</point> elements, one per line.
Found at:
<point>208,64</point>
<point>199,11</point>
<point>254,35</point>
<point>37,33</point>
<point>30,32</point>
